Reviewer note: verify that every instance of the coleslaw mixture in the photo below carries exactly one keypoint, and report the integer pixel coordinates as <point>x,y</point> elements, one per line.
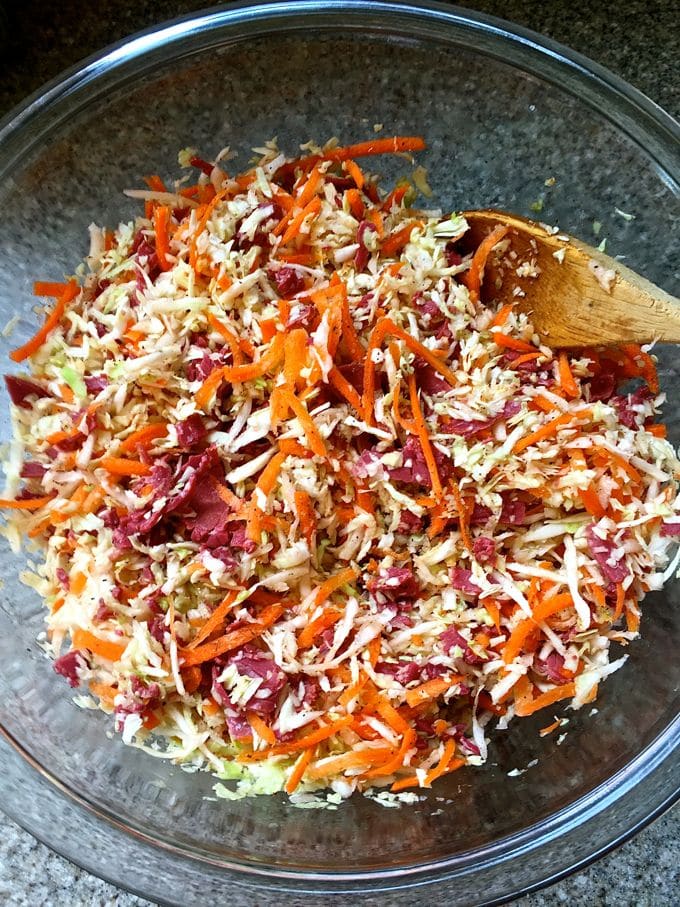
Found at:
<point>312,514</point>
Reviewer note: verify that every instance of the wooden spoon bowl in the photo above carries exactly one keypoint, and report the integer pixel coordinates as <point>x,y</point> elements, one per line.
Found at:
<point>575,295</point>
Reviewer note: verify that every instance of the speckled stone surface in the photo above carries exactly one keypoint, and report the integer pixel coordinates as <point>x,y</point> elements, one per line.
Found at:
<point>38,38</point>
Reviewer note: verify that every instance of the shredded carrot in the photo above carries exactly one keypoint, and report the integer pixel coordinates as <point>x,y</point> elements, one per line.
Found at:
<point>550,428</point>
<point>234,639</point>
<point>105,692</point>
<point>299,769</point>
<point>215,621</point>
<point>355,203</point>
<point>512,343</point>
<point>161,222</point>
<point>352,691</point>
<point>210,707</point>
<point>26,503</point>
<point>209,388</point>
<point>33,345</point>
<point>240,373</point>
<point>191,678</point>
<point>620,599</point>
<point>502,315</point>
<point>119,466</point>
<point>557,694</point>
<point>350,337</point>
<point>327,588</point>
<point>306,515</point>
<point>517,638</point>
<point>525,357</point>
<point>393,145</point>
<point>397,762</point>
<point>384,328</point>
<point>620,461</point>
<point>143,437</point>
<point>632,621</point>
<point>309,189</point>
<point>549,606</point>
<point>591,501</point>
<point>354,171</point>
<point>294,449</point>
<point>395,242</point>
<point>644,364</point>
<point>337,380</point>
<point>657,429</point>
<point>263,731</point>
<point>268,328</point>
<point>307,740</point>
<point>374,647</point>
<point>446,764</point>
<point>155,182</point>
<point>541,402</point>
<point>567,381</point>
<point>229,336</point>
<point>293,228</point>
<point>461,509</point>
<point>376,218</point>
<point>295,357</point>
<point>336,765</point>
<point>77,583</point>
<point>544,731</point>
<point>395,198</point>
<point>431,689</point>
<point>473,278</point>
<point>422,435</point>
<point>314,439</point>
<point>307,636</point>
<point>111,651</point>
<point>270,473</point>
<point>267,362</point>
<point>49,288</point>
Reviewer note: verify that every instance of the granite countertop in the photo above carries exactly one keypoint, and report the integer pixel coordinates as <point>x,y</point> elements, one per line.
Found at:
<point>634,38</point>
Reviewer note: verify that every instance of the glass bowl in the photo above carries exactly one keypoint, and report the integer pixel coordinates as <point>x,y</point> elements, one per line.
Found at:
<point>503,112</point>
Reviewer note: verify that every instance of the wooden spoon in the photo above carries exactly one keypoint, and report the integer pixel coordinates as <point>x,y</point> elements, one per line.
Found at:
<point>575,295</point>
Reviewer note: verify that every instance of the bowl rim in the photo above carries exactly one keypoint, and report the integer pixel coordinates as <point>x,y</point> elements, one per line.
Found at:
<point>630,110</point>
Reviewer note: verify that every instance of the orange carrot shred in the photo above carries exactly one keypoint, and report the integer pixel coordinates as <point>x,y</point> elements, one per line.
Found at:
<point>502,315</point>
<point>395,242</point>
<point>215,621</point>
<point>263,731</point>
<point>512,343</point>
<point>529,706</point>
<point>51,322</point>
<point>119,466</point>
<point>355,172</point>
<point>306,515</point>
<point>234,639</point>
<point>422,435</point>
<point>473,278</point>
<point>144,437</point>
<point>314,439</point>
<point>49,288</point>
<point>567,381</point>
<point>307,636</point>
<point>337,380</point>
<point>384,328</point>
<point>26,503</point>
<point>111,651</point>
<point>327,588</point>
<point>550,428</point>
<point>296,223</point>
<point>161,222</point>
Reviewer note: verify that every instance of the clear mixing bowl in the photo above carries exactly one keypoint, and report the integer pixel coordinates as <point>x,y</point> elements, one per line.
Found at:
<point>503,111</point>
